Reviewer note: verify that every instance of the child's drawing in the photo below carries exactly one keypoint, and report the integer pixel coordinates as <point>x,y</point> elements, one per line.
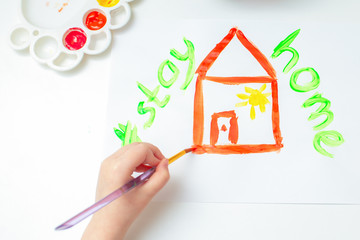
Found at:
<point>126,133</point>
<point>329,138</point>
<point>255,98</point>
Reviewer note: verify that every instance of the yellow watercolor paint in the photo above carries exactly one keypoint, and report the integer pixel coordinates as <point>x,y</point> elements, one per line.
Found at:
<point>255,98</point>
<point>108,3</point>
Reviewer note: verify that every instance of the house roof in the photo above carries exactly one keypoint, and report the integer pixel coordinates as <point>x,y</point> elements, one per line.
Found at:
<point>208,61</point>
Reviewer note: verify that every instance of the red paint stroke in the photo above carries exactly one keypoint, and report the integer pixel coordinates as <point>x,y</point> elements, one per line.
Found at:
<point>206,64</point>
<point>260,57</point>
<point>275,113</point>
<point>236,149</point>
<point>240,80</point>
<point>95,20</point>
<point>198,127</point>
<point>214,130</point>
<point>213,55</point>
<point>223,128</point>
<point>233,131</point>
<point>74,39</point>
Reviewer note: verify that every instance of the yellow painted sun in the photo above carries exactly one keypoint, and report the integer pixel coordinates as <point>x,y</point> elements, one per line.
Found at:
<point>255,98</point>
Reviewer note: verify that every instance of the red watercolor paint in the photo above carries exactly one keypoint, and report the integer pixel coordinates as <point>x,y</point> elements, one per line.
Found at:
<point>74,39</point>
<point>223,128</point>
<point>95,20</point>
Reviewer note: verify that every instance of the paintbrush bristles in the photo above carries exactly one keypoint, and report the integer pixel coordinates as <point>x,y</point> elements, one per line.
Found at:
<point>180,154</point>
<point>189,150</point>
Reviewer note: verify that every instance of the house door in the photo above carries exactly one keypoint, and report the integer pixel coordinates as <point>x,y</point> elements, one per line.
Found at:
<point>232,131</point>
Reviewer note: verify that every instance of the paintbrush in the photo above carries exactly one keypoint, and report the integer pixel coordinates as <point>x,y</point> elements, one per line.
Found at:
<point>116,194</point>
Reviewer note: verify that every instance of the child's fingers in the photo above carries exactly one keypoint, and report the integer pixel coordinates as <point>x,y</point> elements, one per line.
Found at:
<point>143,153</point>
<point>135,145</point>
<point>156,151</point>
<point>158,179</point>
<point>142,168</point>
<point>124,149</point>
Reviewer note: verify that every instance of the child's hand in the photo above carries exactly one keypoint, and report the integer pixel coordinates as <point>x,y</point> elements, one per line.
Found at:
<point>113,221</point>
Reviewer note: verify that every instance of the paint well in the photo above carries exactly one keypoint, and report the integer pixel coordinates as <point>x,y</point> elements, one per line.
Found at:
<point>56,15</point>
<point>95,20</point>
<point>20,37</point>
<point>45,48</point>
<point>65,60</point>
<point>74,39</point>
<point>108,3</point>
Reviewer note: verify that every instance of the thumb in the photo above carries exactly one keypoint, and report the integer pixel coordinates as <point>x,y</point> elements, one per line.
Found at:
<point>158,179</point>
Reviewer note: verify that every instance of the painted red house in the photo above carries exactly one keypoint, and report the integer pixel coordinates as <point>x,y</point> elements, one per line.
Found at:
<point>233,134</point>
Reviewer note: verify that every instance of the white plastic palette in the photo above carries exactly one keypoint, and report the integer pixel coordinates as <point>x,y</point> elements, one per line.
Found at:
<point>59,32</point>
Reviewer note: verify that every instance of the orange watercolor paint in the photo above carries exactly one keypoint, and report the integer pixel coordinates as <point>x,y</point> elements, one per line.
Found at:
<point>233,131</point>
<point>95,20</point>
<point>62,7</point>
<point>238,80</point>
<point>198,127</point>
<point>236,148</point>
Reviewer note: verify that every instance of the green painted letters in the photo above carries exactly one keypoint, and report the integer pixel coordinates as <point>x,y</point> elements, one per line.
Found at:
<point>141,110</point>
<point>315,82</point>
<point>285,46</point>
<point>126,134</point>
<point>329,138</point>
<point>189,55</point>
<point>323,109</point>
<point>173,69</point>
<point>151,95</point>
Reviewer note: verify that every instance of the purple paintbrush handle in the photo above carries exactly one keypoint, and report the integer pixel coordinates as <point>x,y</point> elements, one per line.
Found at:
<point>106,200</point>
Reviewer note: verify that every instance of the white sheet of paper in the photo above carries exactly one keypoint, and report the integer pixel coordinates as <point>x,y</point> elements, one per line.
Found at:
<point>296,174</point>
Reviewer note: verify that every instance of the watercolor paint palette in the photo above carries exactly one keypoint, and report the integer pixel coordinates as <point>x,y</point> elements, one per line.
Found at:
<point>59,33</point>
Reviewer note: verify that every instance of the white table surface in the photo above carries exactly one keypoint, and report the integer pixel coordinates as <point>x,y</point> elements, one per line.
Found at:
<point>52,129</point>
